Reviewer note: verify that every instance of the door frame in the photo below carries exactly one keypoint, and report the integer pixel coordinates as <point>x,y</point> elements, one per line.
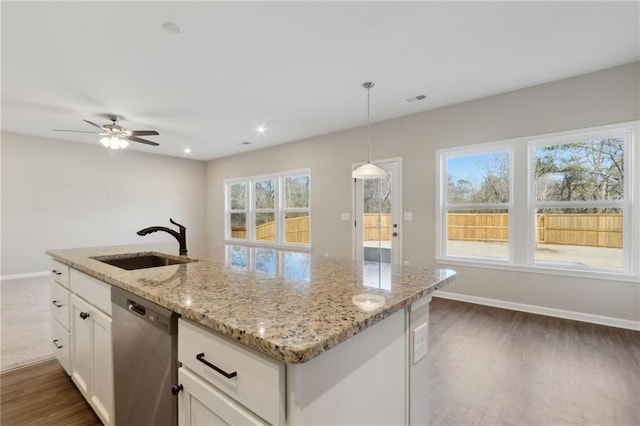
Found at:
<point>399,197</point>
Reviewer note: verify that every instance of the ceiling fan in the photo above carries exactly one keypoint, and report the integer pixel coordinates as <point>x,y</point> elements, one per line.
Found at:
<point>115,136</point>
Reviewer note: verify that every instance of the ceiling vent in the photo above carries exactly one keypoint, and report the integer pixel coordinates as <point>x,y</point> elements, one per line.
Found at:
<point>416,98</point>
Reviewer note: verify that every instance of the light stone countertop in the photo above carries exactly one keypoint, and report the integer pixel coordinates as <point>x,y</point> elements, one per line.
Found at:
<point>289,305</point>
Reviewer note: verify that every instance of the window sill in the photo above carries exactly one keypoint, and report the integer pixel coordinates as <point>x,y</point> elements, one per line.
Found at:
<point>546,270</point>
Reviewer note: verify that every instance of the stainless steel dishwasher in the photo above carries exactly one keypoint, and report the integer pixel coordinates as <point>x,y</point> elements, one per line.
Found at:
<point>144,361</point>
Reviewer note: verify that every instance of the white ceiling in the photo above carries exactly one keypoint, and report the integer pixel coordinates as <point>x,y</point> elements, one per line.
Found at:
<point>295,67</point>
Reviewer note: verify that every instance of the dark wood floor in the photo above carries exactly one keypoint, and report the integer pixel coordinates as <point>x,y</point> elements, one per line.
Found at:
<point>488,366</point>
<point>42,395</point>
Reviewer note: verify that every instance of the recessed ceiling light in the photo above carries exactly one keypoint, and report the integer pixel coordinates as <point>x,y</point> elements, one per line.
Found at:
<point>261,129</point>
<point>416,98</point>
<point>246,143</point>
<point>187,150</point>
<point>171,27</point>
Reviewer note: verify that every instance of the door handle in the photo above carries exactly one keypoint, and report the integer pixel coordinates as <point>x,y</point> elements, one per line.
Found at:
<point>84,315</point>
<point>395,234</point>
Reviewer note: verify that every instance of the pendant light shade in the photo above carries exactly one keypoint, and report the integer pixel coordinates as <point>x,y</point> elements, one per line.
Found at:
<point>368,170</point>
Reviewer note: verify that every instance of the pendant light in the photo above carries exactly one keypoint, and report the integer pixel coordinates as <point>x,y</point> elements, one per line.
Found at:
<point>368,170</point>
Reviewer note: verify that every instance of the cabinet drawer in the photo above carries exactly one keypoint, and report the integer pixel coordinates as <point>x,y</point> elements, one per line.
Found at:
<point>60,304</point>
<point>60,273</point>
<point>92,290</point>
<point>258,383</point>
<point>60,345</point>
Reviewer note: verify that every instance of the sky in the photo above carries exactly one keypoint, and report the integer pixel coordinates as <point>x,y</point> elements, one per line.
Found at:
<point>470,167</point>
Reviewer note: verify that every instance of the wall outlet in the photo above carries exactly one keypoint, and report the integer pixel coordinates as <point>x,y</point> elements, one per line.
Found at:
<point>420,336</point>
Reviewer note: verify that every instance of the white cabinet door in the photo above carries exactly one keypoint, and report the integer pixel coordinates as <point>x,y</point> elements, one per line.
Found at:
<point>91,347</point>
<point>202,404</point>
<point>102,397</point>
<point>81,345</point>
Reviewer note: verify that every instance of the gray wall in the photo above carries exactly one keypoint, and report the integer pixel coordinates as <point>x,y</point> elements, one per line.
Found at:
<point>58,194</point>
<point>608,96</point>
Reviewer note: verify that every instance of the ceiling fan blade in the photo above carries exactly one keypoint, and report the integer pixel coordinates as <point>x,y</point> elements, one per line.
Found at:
<point>93,124</point>
<point>135,139</point>
<point>75,131</point>
<point>142,133</point>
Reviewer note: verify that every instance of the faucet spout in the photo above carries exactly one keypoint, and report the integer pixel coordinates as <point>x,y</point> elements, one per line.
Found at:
<point>181,236</point>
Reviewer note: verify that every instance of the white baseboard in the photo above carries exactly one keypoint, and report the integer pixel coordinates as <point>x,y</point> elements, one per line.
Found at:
<point>541,310</point>
<point>29,275</point>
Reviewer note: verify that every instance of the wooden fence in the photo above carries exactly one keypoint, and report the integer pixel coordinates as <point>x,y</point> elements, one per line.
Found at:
<point>599,230</point>
<point>377,227</point>
<point>580,229</point>
<point>296,231</point>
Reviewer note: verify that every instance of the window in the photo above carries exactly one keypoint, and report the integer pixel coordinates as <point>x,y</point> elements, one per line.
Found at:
<point>567,207</point>
<point>273,209</point>
<point>578,199</point>
<point>477,204</point>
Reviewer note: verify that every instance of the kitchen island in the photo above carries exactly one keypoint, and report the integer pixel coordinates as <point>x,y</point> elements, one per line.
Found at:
<point>341,331</point>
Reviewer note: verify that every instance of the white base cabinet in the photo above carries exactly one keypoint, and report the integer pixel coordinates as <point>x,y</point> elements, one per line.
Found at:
<point>90,343</point>
<point>60,336</point>
<point>372,378</point>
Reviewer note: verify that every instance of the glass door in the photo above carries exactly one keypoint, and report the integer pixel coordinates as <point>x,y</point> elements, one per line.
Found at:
<point>377,212</point>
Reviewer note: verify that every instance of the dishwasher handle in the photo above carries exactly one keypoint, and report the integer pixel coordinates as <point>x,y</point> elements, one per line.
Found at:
<point>136,308</point>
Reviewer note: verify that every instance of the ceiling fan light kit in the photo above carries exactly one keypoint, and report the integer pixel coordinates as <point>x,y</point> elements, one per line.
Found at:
<point>114,143</point>
<point>368,170</point>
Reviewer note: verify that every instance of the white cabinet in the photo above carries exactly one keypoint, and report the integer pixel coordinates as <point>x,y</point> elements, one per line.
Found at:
<point>91,347</point>
<point>227,380</point>
<point>60,337</point>
<point>200,403</point>
<point>371,378</point>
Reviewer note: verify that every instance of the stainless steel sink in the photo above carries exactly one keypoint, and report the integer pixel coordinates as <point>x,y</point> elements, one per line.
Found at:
<point>132,261</point>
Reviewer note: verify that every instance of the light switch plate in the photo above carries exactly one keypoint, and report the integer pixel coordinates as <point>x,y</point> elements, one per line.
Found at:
<point>408,216</point>
<point>345,216</point>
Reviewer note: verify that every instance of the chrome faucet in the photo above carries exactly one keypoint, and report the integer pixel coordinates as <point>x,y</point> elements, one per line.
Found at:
<point>180,236</point>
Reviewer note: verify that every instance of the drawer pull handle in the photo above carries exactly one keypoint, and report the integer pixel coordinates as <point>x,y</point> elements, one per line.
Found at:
<point>56,272</point>
<point>84,315</point>
<point>176,389</point>
<point>55,303</point>
<point>55,342</point>
<point>200,357</point>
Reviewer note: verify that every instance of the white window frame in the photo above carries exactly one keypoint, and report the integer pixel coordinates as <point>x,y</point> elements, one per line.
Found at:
<point>444,206</point>
<point>228,210</point>
<point>523,206</point>
<point>279,210</point>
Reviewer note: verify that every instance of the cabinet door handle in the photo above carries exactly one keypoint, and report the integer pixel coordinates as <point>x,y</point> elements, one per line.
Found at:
<point>176,389</point>
<point>84,315</point>
<point>55,342</point>
<point>56,272</point>
<point>200,357</point>
<point>55,303</point>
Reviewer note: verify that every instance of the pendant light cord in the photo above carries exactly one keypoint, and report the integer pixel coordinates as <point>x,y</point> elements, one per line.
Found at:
<point>368,85</point>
